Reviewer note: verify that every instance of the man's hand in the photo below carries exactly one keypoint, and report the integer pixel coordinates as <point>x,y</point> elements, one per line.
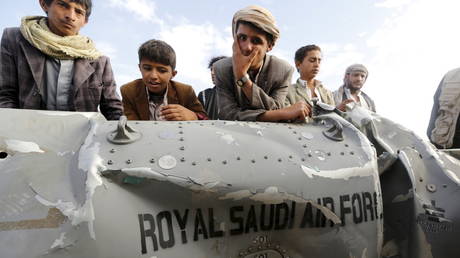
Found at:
<point>298,112</point>
<point>342,106</point>
<point>242,63</point>
<point>174,112</point>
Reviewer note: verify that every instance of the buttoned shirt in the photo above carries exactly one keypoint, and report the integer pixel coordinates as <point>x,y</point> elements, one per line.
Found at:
<point>58,83</point>
<point>156,104</point>
<point>362,102</point>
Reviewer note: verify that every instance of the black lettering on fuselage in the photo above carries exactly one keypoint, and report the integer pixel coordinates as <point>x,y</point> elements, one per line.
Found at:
<point>147,232</point>
<point>212,232</point>
<point>234,218</point>
<point>165,216</point>
<point>182,222</point>
<point>200,226</point>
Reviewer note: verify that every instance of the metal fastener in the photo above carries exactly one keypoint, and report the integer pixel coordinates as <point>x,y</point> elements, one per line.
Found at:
<point>112,151</point>
<point>129,161</point>
<point>110,162</point>
<point>431,188</point>
<point>182,148</point>
<point>152,160</point>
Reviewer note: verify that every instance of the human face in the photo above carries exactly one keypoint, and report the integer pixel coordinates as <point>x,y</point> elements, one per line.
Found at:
<point>213,76</point>
<point>156,76</point>
<point>356,80</point>
<point>249,39</point>
<point>65,18</point>
<point>310,65</point>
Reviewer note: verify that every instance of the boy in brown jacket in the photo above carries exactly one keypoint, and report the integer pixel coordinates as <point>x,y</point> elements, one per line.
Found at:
<point>156,96</point>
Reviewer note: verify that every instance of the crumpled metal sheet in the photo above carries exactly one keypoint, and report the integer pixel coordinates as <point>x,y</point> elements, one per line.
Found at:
<point>420,186</point>
<point>234,189</point>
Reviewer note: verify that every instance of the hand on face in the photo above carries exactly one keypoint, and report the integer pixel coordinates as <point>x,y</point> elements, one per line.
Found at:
<point>175,112</point>
<point>242,62</point>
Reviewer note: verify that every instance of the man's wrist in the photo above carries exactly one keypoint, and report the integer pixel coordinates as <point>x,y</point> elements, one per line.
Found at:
<point>243,80</point>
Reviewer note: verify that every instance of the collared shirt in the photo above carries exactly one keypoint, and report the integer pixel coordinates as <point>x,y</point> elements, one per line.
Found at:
<point>58,83</point>
<point>362,102</point>
<point>155,104</point>
<point>310,92</point>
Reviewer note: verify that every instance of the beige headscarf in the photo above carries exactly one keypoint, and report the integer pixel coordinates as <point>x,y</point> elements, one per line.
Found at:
<point>35,30</point>
<point>260,17</point>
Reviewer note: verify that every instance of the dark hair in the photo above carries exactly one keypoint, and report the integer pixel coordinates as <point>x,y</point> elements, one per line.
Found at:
<point>215,59</point>
<point>302,52</point>
<point>86,3</point>
<point>269,36</point>
<point>158,51</point>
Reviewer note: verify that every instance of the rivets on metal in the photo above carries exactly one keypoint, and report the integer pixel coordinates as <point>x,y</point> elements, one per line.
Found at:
<point>253,161</point>
<point>352,153</point>
<point>209,159</point>
<point>152,160</point>
<point>194,163</point>
<point>329,154</point>
<point>309,155</point>
<point>129,161</point>
<point>181,139</point>
<point>444,185</point>
<point>421,179</point>
<point>182,148</point>
<point>346,145</point>
<point>238,158</point>
<point>112,151</point>
<point>182,159</point>
<point>180,126</point>
<point>342,153</point>
<point>279,160</point>
<point>290,156</point>
<point>431,188</point>
<point>303,159</point>
<point>300,138</point>
<point>265,157</point>
<point>181,132</point>
<point>305,146</point>
<point>224,162</point>
<point>110,162</point>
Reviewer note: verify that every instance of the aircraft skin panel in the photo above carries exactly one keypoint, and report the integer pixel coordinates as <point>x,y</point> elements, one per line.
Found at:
<point>76,185</point>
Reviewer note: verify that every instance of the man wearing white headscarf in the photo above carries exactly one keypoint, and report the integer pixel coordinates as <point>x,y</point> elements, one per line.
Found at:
<point>350,91</point>
<point>252,85</point>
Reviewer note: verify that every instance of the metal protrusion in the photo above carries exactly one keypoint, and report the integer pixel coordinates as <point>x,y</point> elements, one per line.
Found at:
<point>294,132</point>
<point>152,160</point>
<point>181,132</point>
<point>193,163</point>
<point>309,155</point>
<point>444,185</point>
<point>329,154</point>
<point>129,161</point>
<point>305,146</point>
<point>290,156</point>
<point>182,148</point>
<point>303,159</point>
<point>209,159</point>
<point>253,161</point>
<point>181,139</point>
<point>279,160</point>
<point>352,153</point>
<point>124,134</point>
<point>342,153</point>
<point>224,162</point>
<point>421,179</point>
<point>300,138</point>
<point>334,133</point>
<point>265,157</point>
<point>182,159</point>
<point>431,188</point>
<point>112,151</point>
<point>110,162</point>
<point>238,158</point>
<point>346,145</point>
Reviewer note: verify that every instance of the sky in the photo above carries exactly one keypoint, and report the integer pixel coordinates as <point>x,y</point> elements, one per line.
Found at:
<point>407,45</point>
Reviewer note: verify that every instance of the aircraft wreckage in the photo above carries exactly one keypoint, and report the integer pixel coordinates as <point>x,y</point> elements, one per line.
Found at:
<point>347,185</point>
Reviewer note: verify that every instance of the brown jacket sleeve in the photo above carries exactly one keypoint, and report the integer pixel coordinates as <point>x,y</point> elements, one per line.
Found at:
<point>187,98</point>
<point>129,108</point>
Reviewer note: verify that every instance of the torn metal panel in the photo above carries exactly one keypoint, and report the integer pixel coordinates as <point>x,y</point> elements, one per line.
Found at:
<point>420,189</point>
<point>201,188</point>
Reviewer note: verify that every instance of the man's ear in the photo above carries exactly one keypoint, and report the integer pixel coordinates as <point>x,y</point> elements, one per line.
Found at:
<point>174,73</point>
<point>43,6</point>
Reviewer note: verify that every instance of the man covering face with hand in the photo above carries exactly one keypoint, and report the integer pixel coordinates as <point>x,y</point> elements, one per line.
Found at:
<point>252,85</point>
